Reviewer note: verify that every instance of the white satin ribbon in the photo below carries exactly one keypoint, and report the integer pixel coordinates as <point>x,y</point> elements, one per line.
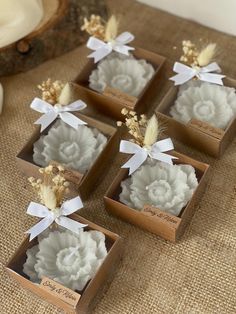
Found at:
<point>103,49</point>
<point>156,151</point>
<point>52,112</point>
<point>59,216</point>
<point>186,73</point>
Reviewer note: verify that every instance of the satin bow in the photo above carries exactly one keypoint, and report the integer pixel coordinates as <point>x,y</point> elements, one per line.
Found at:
<point>156,151</point>
<point>186,73</point>
<point>103,49</point>
<point>52,112</point>
<point>59,216</point>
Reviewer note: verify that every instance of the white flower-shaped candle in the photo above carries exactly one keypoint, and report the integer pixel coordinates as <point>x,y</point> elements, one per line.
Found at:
<point>167,187</point>
<point>206,102</point>
<point>124,73</point>
<point>68,258</point>
<point>205,98</point>
<point>76,149</point>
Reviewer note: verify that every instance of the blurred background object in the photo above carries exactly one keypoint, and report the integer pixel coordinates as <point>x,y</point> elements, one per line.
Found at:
<point>219,15</point>
<point>18,19</point>
<point>54,27</point>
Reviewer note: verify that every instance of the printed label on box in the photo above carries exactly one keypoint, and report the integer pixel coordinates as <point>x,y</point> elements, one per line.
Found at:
<point>65,294</point>
<point>154,212</point>
<point>206,128</point>
<point>116,94</point>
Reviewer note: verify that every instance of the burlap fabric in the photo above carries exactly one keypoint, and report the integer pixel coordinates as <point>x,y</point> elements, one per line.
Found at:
<point>196,275</point>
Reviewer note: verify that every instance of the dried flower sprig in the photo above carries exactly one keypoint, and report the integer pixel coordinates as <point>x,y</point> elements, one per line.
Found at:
<point>52,188</point>
<point>97,27</point>
<point>195,57</point>
<point>190,53</point>
<point>51,90</point>
<point>94,26</point>
<point>145,132</point>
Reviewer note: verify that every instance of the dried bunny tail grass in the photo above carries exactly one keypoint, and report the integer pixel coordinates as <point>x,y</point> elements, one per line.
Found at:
<point>65,96</point>
<point>206,55</point>
<point>48,197</point>
<point>111,30</point>
<point>152,131</point>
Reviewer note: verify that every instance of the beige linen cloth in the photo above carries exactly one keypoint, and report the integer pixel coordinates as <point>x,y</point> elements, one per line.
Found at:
<point>196,275</point>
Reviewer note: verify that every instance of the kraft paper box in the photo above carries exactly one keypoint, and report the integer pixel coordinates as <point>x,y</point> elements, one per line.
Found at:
<point>196,133</point>
<point>111,101</point>
<point>153,219</point>
<point>71,301</point>
<point>82,182</point>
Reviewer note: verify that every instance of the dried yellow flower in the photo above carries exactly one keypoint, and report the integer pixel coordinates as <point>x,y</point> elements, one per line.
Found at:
<point>51,90</point>
<point>124,111</point>
<point>95,26</point>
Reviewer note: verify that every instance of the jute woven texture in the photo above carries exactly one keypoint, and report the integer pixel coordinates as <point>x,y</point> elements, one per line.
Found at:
<point>196,275</point>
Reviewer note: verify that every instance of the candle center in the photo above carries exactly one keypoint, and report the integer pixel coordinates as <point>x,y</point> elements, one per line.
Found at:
<point>122,81</point>
<point>204,109</point>
<point>68,257</point>
<point>158,191</point>
<point>69,150</point>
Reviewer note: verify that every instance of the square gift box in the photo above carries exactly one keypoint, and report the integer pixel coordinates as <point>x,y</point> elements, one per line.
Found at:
<point>153,219</point>
<point>84,182</point>
<point>196,133</point>
<point>70,301</point>
<point>111,101</point>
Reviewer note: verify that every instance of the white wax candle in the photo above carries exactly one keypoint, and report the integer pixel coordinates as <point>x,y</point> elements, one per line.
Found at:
<point>18,18</point>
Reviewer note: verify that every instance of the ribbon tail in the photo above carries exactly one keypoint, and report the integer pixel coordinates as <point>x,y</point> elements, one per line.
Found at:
<point>71,119</point>
<point>71,206</point>
<point>70,224</point>
<point>135,161</point>
<point>40,227</point>
<point>46,119</point>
